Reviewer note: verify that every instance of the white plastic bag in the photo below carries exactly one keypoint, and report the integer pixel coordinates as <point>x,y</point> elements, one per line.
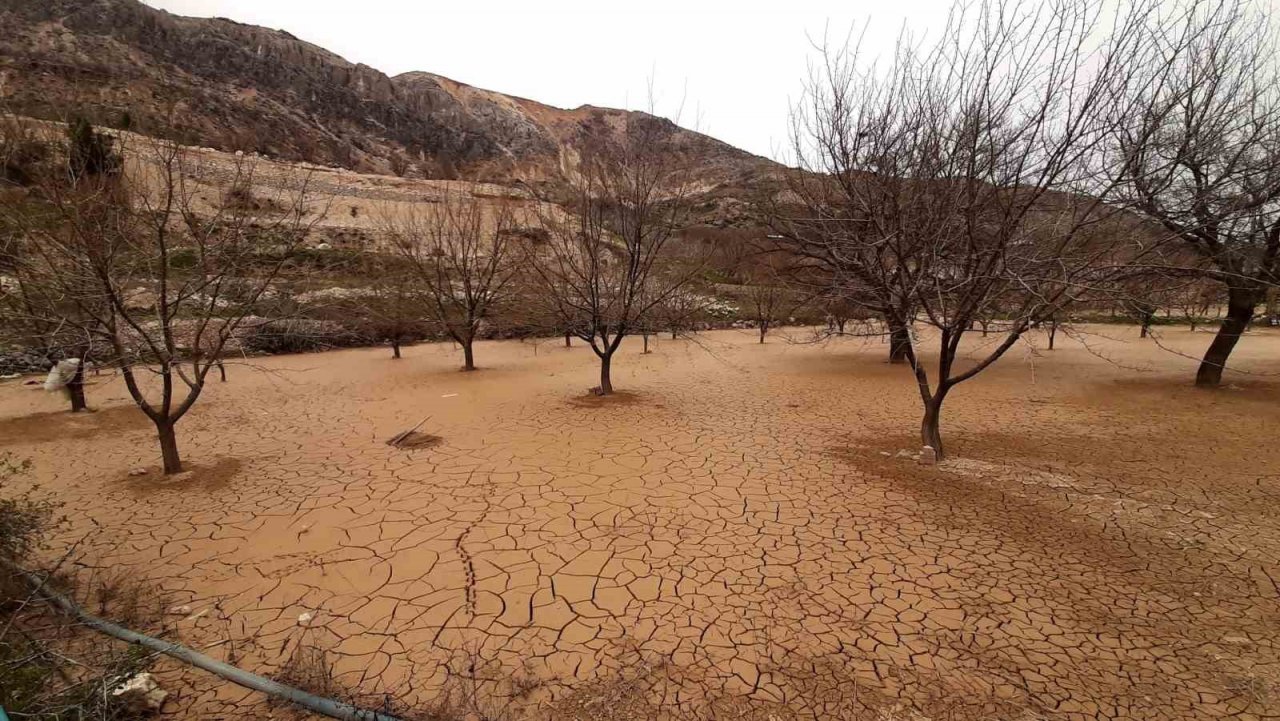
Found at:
<point>61,374</point>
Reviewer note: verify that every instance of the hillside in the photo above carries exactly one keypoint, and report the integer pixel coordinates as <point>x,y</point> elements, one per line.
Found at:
<point>230,86</point>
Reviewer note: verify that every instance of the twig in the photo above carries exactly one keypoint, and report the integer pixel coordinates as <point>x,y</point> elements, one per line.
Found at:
<point>399,438</point>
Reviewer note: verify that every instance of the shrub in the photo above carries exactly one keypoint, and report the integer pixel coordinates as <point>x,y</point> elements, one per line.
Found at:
<point>23,157</point>
<point>89,152</point>
<point>38,678</point>
<point>183,258</point>
<point>24,518</point>
<point>298,335</point>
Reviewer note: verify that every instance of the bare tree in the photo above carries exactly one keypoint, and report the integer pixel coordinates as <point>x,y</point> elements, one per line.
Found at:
<point>33,160</point>
<point>610,263</point>
<point>161,279</point>
<point>765,297</point>
<point>1199,153</point>
<point>1143,309</point>
<point>461,254</point>
<point>392,308</point>
<point>946,188</point>
<point>1197,298</point>
<point>682,310</point>
<point>839,310</point>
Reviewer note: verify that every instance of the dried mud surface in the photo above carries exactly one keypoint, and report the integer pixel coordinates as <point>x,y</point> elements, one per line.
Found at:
<point>747,533</point>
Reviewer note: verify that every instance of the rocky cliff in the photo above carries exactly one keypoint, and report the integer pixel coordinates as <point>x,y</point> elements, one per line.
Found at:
<point>232,86</point>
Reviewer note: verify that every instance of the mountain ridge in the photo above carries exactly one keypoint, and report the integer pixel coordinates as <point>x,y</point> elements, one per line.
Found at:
<point>234,86</point>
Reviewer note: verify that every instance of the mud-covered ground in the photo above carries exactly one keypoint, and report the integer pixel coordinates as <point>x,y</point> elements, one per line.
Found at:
<point>744,531</point>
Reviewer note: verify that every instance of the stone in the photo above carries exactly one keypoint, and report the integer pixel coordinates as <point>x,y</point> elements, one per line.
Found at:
<point>305,618</point>
<point>138,472</point>
<point>140,694</point>
<point>180,610</point>
<point>928,456</point>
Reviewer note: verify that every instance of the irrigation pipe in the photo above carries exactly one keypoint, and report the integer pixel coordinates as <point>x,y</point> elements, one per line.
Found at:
<point>324,706</point>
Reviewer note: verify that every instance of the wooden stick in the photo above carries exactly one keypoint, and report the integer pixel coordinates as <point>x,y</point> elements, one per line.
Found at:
<point>399,437</point>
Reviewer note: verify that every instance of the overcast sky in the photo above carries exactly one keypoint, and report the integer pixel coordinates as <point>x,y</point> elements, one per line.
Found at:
<point>737,65</point>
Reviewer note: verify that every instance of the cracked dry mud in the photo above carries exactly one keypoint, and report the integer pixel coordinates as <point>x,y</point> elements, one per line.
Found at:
<point>742,533</point>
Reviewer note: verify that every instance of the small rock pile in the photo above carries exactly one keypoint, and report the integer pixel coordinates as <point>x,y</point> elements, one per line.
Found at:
<point>22,361</point>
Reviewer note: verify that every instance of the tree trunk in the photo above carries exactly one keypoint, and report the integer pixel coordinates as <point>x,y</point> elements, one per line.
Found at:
<point>222,371</point>
<point>674,333</point>
<point>1241,303</point>
<point>764,328</point>
<point>606,383</point>
<point>1146,326</point>
<point>567,339</point>
<point>899,343</point>
<point>646,342</point>
<point>1053,332</point>
<point>75,389</point>
<point>930,426</point>
<point>468,355</point>
<point>169,447</point>
<point>395,349</point>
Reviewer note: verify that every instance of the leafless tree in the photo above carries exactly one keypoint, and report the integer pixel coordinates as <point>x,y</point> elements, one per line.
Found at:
<point>1142,308</point>
<point>839,311</point>
<point>682,310</point>
<point>162,280</point>
<point>460,250</point>
<point>392,308</point>
<point>948,187</point>
<point>1053,323</point>
<point>1199,151</point>
<point>765,297</point>
<point>33,159</point>
<point>609,263</point>
<point>1198,298</point>
<point>1160,286</point>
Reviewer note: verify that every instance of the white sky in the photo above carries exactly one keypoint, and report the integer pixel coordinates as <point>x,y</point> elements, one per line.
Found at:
<point>738,65</point>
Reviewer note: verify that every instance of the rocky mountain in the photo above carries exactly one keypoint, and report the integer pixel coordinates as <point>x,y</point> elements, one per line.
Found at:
<point>223,84</point>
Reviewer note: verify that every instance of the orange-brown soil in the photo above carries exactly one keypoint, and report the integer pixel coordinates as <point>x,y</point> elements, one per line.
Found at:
<point>748,531</point>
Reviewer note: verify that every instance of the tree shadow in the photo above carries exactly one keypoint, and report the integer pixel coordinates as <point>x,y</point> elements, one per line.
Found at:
<point>198,477</point>
<point>53,426</point>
